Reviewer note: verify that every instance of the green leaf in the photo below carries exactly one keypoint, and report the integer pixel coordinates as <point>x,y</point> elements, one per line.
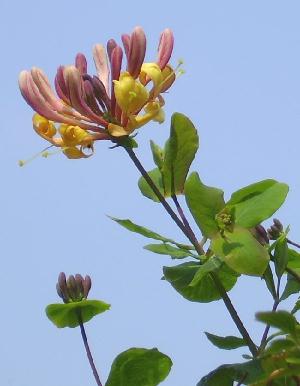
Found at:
<point>204,203</point>
<point>268,278</point>
<point>279,345</point>
<point>292,287</point>
<point>247,373</point>
<point>145,189</point>
<point>241,251</point>
<point>205,291</point>
<point>294,259</point>
<point>132,227</point>
<point>281,255</point>
<point>225,342</point>
<point>282,320</point>
<point>180,152</point>
<point>257,202</point>
<point>67,315</point>
<point>158,154</point>
<point>139,367</point>
<point>296,307</point>
<point>213,264</point>
<point>166,249</point>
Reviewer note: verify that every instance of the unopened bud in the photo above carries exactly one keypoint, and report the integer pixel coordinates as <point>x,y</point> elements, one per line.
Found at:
<point>87,284</point>
<point>278,224</point>
<point>260,234</point>
<point>79,282</point>
<point>275,230</point>
<point>72,288</point>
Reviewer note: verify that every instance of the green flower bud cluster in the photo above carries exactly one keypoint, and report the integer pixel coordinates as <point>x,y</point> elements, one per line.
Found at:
<point>73,289</point>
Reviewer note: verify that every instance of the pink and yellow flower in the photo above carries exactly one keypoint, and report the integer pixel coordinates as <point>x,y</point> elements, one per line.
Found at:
<point>113,103</point>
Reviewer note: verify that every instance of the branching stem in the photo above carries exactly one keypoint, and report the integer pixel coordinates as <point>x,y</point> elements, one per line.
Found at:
<point>186,229</point>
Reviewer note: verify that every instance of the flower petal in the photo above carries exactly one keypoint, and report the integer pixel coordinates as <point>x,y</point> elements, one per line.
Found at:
<point>101,64</point>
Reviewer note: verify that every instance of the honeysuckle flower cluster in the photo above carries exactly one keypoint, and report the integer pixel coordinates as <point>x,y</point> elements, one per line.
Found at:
<point>106,106</point>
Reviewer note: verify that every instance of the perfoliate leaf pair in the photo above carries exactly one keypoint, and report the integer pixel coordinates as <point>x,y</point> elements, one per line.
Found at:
<point>74,313</point>
<point>228,224</point>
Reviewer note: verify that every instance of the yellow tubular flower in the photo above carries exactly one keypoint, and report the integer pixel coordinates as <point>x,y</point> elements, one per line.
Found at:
<point>74,135</point>
<point>45,129</point>
<point>130,94</point>
<point>75,153</point>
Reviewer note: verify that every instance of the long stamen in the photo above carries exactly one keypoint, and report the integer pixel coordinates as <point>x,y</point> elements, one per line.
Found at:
<point>44,153</point>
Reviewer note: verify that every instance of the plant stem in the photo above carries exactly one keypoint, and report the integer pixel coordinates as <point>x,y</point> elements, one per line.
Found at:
<point>293,243</point>
<point>186,229</point>
<point>88,352</point>
<point>274,308</point>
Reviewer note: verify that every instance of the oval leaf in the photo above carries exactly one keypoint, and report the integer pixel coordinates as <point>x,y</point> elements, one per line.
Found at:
<point>139,367</point>
<point>225,342</point>
<point>132,227</point>
<point>282,320</point>
<point>204,203</point>
<point>180,152</point>
<point>67,315</point>
<point>257,202</point>
<point>145,189</point>
<point>205,290</point>
<point>241,251</point>
<point>166,249</point>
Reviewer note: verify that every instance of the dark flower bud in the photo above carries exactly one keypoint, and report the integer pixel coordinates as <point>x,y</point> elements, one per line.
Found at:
<point>260,234</point>
<point>61,287</point>
<point>79,282</point>
<point>87,284</point>
<point>278,224</point>
<point>275,230</point>
<point>72,288</point>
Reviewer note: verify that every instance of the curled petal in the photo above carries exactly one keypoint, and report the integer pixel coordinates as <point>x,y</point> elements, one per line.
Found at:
<point>165,48</point>
<point>151,71</point>
<point>75,135</point>
<point>81,63</point>
<point>169,78</point>
<point>45,129</point>
<point>153,113</point>
<point>75,153</point>
<point>137,51</point>
<point>101,64</point>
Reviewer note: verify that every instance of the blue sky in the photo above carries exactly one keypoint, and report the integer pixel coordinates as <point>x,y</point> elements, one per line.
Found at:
<point>242,91</point>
